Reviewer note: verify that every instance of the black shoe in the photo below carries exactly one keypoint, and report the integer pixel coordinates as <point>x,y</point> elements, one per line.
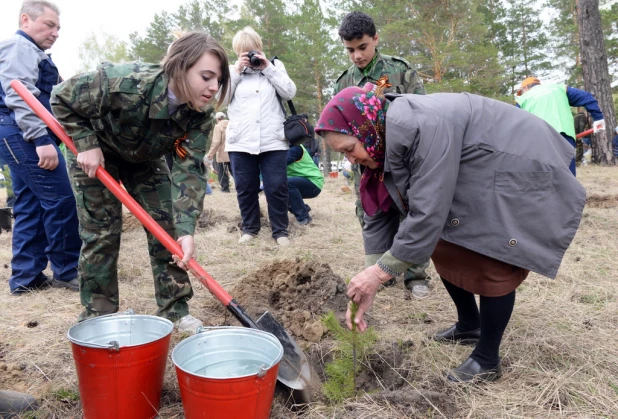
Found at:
<point>306,221</point>
<point>5,219</point>
<point>72,285</point>
<point>13,403</point>
<point>471,370</point>
<point>41,283</point>
<point>453,335</point>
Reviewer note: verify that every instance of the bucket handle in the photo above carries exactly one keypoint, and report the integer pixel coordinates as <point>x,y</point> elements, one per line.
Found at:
<point>112,346</point>
<point>203,329</point>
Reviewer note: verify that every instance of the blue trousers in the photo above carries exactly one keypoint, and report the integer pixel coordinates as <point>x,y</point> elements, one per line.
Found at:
<point>46,226</point>
<point>247,169</point>
<point>301,188</point>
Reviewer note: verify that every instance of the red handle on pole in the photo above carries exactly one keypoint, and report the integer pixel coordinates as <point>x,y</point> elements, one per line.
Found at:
<point>145,218</point>
<point>585,133</point>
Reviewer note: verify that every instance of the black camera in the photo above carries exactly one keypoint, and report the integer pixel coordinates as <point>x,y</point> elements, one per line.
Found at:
<point>253,60</point>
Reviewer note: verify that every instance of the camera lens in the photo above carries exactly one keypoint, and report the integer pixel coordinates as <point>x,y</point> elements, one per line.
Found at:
<point>253,60</point>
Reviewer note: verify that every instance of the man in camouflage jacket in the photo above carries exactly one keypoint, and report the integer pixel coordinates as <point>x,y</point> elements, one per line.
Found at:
<point>360,39</point>
<point>127,112</point>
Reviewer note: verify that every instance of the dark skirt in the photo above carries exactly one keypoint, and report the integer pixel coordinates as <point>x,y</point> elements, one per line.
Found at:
<point>474,272</point>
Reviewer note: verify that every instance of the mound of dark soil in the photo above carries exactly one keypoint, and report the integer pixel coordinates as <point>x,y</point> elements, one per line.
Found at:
<point>295,292</point>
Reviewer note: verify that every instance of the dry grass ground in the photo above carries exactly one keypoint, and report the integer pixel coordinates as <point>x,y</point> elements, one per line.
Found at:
<point>560,349</point>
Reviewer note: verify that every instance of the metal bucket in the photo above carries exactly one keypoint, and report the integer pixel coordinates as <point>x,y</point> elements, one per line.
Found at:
<point>120,361</point>
<point>227,372</point>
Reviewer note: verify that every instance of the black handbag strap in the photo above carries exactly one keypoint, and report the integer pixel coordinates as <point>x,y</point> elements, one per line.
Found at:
<point>290,103</point>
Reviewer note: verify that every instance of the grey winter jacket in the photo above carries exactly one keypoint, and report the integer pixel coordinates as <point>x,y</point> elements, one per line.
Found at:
<point>478,173</point>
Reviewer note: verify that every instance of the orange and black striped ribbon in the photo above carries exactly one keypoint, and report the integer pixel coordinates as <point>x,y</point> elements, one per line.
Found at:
<point>180,151</point>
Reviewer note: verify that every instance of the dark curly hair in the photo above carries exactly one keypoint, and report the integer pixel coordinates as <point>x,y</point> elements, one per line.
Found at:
<point>355,25</point>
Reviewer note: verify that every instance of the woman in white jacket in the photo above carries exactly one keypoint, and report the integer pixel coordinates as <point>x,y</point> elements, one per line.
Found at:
<point>254,138</point>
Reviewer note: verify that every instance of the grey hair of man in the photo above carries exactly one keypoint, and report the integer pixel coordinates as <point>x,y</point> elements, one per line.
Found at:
<point>35,8</point>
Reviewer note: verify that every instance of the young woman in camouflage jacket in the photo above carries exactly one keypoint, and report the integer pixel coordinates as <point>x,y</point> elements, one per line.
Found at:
<point>125,117</point>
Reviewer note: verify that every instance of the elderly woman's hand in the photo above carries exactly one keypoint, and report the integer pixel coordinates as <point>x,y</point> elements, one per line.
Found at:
<point>362,289</point>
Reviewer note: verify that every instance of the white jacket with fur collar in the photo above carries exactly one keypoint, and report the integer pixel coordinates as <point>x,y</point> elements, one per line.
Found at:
<point>255,115</point>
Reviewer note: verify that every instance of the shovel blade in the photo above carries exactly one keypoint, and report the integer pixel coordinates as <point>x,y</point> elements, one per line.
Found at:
<point>294,369</point>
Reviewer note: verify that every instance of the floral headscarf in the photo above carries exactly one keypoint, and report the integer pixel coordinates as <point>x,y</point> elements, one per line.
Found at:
<point>361,113</point>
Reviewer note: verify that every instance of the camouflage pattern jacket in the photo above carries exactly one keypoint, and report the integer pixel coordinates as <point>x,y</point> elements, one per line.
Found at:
<point>123,109</point>
<point>400,75</point>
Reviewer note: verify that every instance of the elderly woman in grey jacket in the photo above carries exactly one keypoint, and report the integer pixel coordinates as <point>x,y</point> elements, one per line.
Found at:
<point>254,137</point>
<point>481,188</point>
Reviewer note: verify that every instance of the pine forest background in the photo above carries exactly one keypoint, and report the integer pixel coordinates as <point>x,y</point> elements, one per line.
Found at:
<point>480,46</point>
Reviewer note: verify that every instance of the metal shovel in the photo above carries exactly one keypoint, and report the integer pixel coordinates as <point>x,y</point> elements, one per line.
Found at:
<point>294,369</point>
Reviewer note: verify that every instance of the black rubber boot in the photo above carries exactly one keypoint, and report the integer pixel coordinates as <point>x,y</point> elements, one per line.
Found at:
<point>13,403</point>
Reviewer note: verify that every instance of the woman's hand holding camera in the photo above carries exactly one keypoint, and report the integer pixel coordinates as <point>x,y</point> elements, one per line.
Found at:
<point>251,59</point>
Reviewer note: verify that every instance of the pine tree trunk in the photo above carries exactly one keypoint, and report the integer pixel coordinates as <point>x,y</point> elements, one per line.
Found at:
<point>596,75</point>
<point>326,159</point>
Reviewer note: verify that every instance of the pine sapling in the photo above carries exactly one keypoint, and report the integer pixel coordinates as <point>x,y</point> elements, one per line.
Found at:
<point>350,349</point>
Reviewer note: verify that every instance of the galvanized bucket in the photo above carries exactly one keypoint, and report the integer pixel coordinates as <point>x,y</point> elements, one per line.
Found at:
<point>227,372</point>
<point>120,361</point>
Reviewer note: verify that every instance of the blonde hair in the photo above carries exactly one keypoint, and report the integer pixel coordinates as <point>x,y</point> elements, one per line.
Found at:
<point>35,8</point>
<point>183,53</point>
<point>245,40</point>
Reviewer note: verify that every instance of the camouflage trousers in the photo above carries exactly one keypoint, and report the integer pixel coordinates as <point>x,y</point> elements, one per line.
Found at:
<point>416,274</point>
<point>100,227</point>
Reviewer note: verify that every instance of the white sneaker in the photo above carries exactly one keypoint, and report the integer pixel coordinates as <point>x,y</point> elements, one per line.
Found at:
<point>420,291</point>
<point>246,238</point>
<point>188,324</point>
<point>283,241</point>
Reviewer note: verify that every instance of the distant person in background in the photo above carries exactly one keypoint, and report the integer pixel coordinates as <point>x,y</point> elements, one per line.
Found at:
<point>125,117</point>
<point>348,174</point>
<point>552,103</point>
<point>305,181</point>
<point>314,149</point>
<point>217,153</point>
<point>46,227</point>
<point>395,75</point>
<point>254,138</point>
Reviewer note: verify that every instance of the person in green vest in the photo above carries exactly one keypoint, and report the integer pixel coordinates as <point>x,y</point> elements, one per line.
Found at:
<point>305,181</point>
<point>394,75</point>
<point>552,103</point>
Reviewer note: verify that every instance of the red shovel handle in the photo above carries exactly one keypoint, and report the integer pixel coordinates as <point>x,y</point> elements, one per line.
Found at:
<point>585,133</point>
<point>102,174</point>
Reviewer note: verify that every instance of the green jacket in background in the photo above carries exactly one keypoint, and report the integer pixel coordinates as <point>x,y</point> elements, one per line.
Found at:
<point>305,167</point>
<point>400,74</point>
<point>123,109</point>
<point>550,103</point>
